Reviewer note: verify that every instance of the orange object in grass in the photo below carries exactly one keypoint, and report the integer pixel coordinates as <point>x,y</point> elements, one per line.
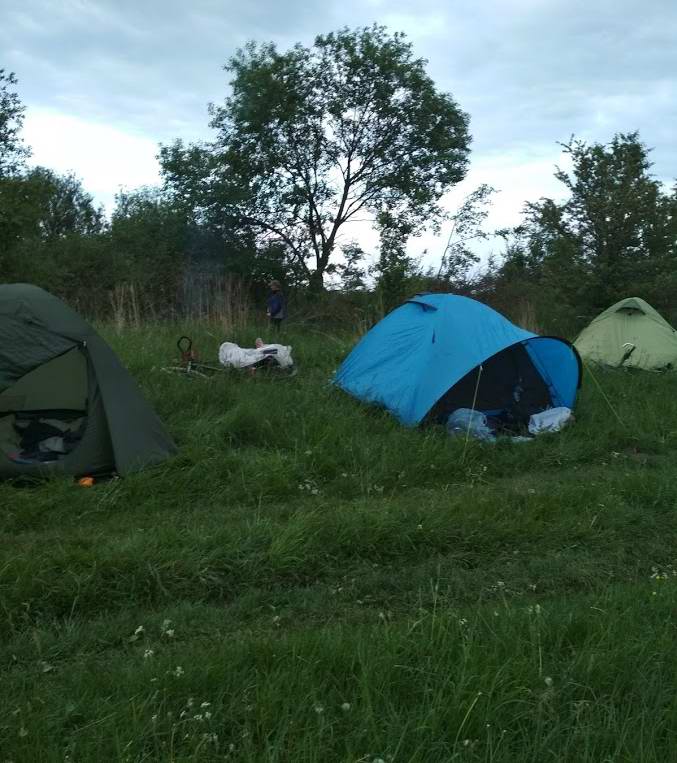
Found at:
<point>86,481</point>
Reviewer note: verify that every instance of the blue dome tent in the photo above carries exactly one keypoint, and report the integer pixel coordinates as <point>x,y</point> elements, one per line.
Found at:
<point>439,352</point>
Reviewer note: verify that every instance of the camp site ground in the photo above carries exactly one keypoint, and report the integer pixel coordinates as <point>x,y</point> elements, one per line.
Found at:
<point>325,584</point>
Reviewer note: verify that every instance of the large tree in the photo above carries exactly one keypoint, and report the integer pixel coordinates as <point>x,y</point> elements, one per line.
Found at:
<point>12,150</point>
<point>615,232</point>
<point>313,138</point>
<point>61,206</point>
<point>41,205</point>
<point>617,222</point>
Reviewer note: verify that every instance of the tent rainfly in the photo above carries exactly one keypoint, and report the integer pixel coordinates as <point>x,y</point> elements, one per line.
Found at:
<point>439,352</point>
<point>67,405</point>
<point>629,334</point>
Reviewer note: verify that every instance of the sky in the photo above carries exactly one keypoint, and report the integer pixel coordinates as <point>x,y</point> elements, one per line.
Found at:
<point>106,81</point>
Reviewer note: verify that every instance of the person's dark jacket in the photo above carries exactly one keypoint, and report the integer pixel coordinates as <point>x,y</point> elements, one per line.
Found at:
<point>277,306</point>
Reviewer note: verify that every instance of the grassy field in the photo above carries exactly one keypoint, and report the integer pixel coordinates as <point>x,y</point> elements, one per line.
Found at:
<point>308,581</point>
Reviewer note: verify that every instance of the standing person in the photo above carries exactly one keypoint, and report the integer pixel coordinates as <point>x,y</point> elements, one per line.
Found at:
<point>276,305</point>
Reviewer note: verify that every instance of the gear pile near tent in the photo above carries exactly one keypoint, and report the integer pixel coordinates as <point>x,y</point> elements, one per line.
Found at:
<point>437,353</point>
<point>630,334</point>
<point>67,405</point>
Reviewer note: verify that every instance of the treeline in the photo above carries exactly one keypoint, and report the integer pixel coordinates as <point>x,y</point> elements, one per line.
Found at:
<point>309,141</point>
<point>613,236</point>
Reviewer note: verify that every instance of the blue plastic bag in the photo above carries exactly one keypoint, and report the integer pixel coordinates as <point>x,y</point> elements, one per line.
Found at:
<point>474,423</point>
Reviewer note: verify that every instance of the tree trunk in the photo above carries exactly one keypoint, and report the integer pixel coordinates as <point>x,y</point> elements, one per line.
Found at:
<point>316,282</point>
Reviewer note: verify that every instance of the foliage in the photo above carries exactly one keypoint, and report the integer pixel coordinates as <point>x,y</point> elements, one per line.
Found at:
<point>44,206</point>
<point>149,238</point>
<point>312,139</point>
<point>616,232</point>
<point>59,206</point>
<point>51,235</point>
<point>351,271</point>
<point>466,225</point>
<point>12,151</point>
<point>395,271</point>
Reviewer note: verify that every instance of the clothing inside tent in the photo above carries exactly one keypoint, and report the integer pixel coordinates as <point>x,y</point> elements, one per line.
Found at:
<point>44,414</point>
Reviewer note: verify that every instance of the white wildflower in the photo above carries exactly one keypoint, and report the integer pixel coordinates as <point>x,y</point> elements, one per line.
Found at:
<point>166,629</point>
<point>148,654</point>
<point>548,681</point>
<point>345,707</point>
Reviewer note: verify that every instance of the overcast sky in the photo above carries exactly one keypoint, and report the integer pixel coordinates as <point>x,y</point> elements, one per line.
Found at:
<point>105,81</point>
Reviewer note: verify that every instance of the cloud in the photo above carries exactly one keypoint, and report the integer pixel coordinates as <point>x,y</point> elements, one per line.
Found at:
<point>105,158</point>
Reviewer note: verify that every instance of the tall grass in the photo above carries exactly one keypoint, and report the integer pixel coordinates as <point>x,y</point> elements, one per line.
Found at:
<point>126,309</point>
<point>221,300</point>
<point>337,587</point>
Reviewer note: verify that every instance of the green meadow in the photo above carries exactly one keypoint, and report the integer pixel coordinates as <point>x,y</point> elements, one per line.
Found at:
<point>307,581</point>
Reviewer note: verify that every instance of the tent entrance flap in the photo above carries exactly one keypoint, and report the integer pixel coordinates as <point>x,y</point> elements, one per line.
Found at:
<point>505,379</point>
<point>42,415</point>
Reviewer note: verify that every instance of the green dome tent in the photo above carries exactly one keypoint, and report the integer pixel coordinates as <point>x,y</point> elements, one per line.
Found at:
<point>630,334</point>
<point>67,405</point>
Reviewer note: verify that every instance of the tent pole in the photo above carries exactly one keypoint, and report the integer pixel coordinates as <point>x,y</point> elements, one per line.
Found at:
<point>474,401</point>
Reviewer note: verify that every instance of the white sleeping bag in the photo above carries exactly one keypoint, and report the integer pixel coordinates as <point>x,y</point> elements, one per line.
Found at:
<point>232,355</point>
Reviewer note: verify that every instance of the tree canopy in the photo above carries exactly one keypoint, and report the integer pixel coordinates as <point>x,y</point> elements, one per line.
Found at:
<point>313,138</point>
<point>614,233</point>
<point>12,150</point>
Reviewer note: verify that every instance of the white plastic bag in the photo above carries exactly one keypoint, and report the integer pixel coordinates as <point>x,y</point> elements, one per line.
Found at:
<point>551,420</point>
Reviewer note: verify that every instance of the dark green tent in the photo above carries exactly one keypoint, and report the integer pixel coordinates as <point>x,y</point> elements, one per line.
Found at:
<point>67,405</point>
